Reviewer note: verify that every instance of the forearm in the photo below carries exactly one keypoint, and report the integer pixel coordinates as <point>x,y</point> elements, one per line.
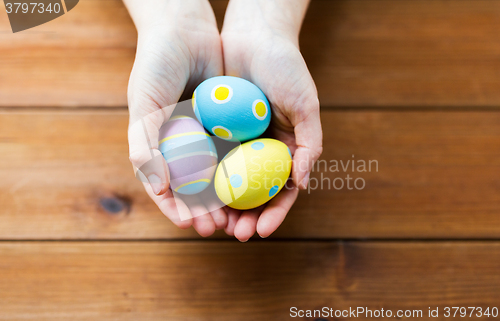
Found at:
<point>280,16</point>
<point>148,14</point>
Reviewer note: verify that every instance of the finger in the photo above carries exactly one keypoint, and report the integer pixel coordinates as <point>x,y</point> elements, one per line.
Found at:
<point>152,93</point>
<point>247,224</point>
<point>309,140</point>
<point>144,153</point>
<point>232,218</point>
<point>220,218</point>
<point>203,222</point>
<point>175,209</point>
<point>276,211</point>
<point>286,137</point>
<point>215,206</point>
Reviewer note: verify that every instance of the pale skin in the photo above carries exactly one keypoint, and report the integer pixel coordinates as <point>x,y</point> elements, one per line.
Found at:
<point>179,46</point>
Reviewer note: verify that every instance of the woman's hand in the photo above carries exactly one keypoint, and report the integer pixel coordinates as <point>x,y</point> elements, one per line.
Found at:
<point>260,43</point>
<point>178,47</point>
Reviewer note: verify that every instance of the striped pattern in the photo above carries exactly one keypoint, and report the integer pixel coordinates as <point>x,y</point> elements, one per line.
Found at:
<point>175,158</point>
<point>203,180</point>
<point>182,135</point>
<point>190,154</point>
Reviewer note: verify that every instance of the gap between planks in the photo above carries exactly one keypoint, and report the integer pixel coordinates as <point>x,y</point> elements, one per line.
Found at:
<point>374,240</point>
<point>121,109</point>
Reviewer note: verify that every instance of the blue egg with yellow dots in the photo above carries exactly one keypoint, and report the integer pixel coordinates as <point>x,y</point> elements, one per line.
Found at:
<point>231,108</point>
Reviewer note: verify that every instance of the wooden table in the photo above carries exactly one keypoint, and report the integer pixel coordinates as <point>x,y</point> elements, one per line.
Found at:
<point>414,85</point>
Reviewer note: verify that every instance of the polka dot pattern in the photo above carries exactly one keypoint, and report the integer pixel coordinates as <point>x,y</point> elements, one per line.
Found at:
<point>244,187</point>
<point>222,94</point>
<point>235,180</point>
<point>235,104</point>
<point>259,109</point>
<point>222,132</point>
<point>273,190</point>
<point>257,146</point>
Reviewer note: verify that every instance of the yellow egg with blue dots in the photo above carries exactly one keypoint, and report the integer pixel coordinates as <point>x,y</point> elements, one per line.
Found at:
<point>231,108</point>
<point>253,173</point>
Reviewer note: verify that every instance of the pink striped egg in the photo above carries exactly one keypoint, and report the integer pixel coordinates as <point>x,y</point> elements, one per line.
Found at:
<point>190,154</point>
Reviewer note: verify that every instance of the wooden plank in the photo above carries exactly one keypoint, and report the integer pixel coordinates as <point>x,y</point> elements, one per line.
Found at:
<point>80,59</point>
<point>360,52</point>
<point>228,281</point>
<point>438,175</point>
<point>404,53</point>
<point>83,58</point>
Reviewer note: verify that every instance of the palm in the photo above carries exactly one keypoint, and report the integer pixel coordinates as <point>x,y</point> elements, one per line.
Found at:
<point>170,62</point>
<point>275,65</point>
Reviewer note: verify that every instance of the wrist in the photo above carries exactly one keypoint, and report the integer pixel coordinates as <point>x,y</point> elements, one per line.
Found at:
<point>161,15</point>
<point>281,18</point>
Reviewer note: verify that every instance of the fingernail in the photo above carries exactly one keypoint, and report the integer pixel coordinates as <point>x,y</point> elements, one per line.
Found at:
<point>305,181</point>
<point>243,241</point>
<point>262,237</point>
<point>155,183</point>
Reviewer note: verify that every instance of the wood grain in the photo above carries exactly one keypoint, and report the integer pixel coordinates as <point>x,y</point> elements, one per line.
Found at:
<point>80,59</point>
<point>227,281</point>
<point>404,53</point>
<point>66,175</point>
<point>360,52</point>
<point>81,240</point>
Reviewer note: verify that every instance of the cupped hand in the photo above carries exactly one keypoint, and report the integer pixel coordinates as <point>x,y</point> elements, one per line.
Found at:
<point>178,47</point>
<point>267,54</point>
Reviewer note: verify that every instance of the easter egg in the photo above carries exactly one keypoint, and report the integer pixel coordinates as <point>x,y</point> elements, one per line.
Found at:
<point>253,173</point>
<point>190,154</point>
<point>231,108</point>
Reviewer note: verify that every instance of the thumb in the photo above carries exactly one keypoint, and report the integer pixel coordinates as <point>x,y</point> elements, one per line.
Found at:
<point>309,140</point>
<point>154,88</point>
<point>144,154</point>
